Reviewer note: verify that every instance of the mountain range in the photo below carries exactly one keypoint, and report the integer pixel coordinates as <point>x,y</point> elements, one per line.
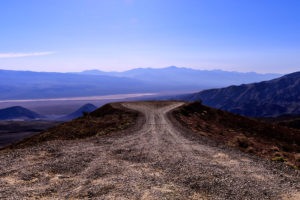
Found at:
<point>272,98</point>
<point>180,76</point>
<point>35,85</point>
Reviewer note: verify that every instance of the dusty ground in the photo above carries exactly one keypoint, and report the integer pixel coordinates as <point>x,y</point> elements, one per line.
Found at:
<point>267,140</point>
<point>153,160</point>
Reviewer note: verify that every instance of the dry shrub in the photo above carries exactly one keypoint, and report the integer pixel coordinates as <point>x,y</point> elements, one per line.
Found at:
<point>241,141</point>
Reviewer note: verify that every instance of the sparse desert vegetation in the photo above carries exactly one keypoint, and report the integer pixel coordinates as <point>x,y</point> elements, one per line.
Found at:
<point>272,141</point>
<point>148,157</point>
<point>109,118</point>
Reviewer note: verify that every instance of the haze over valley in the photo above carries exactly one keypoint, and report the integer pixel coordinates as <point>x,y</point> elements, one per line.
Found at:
<point>40,85</point>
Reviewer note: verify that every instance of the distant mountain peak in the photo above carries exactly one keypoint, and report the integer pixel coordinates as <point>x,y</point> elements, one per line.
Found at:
<point>91,70</point>
<point>86,108</point>
<point>175,67</point>
<point>18,112</point>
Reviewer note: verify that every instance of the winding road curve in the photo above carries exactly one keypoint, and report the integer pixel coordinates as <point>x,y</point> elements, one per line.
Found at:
<point>173,166</point>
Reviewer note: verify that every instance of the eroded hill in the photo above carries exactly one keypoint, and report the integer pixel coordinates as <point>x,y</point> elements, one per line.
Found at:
<point>249,135</point>
<point>109,118</point>
<point>272,98</point>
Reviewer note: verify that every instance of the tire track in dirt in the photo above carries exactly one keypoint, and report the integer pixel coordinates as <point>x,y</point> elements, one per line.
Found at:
<point>156,161</point>
<point>207,171</point>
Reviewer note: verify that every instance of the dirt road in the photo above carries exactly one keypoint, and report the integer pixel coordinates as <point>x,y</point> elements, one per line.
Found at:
<point>156,160</point>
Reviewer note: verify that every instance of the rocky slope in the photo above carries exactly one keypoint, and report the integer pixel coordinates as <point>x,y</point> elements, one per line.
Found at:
<point>109,118</point>
<point>264,99</point>
<point>249,135</point>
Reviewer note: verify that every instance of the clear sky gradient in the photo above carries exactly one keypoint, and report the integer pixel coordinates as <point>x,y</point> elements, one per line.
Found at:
<point>116,35</point>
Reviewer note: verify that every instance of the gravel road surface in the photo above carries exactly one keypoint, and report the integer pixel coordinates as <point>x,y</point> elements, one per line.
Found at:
<point>154,160</point>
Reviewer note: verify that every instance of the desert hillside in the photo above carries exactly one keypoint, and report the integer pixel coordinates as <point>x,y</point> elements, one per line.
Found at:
<point>253,136</point>
<point>272,98</point>
<point>138,150</point>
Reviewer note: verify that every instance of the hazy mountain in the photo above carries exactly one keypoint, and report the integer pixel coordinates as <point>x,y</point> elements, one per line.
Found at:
<point>27,84</point>
<point>195,79</point>
<point>87,108</point>
<point>30,85</point>
<point>264,99</point>
<point>18,112</point>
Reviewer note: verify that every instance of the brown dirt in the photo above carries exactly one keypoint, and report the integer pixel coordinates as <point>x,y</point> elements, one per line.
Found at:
<point>107,119</point>
<point>153,160</point>
<point>290,121</point>
<point>267,140</point>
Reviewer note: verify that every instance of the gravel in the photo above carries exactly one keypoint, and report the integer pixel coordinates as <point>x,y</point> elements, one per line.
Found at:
<point>153,160</point>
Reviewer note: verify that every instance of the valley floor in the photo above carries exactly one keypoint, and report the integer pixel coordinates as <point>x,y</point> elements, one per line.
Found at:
<point>15,131</point>
<point>153,160</point>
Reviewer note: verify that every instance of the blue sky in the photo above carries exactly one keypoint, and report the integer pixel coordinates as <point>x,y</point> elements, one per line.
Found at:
<point>74,35</point>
